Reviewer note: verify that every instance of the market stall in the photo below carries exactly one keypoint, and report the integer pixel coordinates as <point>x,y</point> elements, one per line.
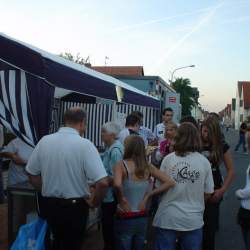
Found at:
<point>33,85</point>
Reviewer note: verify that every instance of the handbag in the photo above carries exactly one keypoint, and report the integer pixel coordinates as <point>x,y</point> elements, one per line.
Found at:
<point>31,236</point>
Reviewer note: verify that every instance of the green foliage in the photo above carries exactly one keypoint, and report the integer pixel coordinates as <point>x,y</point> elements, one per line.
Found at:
<point>77,59</point>
<point>188,96</point>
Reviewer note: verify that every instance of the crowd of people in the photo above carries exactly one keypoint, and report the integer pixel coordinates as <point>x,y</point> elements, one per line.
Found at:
<point>171,175</point>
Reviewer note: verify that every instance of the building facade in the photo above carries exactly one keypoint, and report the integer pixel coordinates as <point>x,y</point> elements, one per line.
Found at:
<point>242,103</point>
<point>152,85</point>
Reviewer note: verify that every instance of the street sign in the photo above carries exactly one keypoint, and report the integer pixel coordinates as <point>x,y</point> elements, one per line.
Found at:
<point>172,99</point>
<point>173,102</point>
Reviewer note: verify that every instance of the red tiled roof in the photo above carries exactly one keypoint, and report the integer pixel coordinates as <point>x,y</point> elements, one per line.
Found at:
<point>120,70</point>
<point>246,94</point>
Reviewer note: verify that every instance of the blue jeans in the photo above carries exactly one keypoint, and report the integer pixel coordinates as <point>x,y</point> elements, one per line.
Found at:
<point>242,141</point>
<point>166,239</point>
<point>130,232</point>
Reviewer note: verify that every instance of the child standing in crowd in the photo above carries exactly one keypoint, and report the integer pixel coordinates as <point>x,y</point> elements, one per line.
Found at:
<point>217,151</point>
<point>132,183</point>
<point>166,146</point>
<point>112,154</point>
<point>180,212</point>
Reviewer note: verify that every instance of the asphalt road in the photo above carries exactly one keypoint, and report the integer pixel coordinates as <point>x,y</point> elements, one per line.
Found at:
<point>229,235</point>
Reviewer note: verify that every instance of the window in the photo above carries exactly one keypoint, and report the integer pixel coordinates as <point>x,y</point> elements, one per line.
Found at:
<point>241,118</point>
<point>241,103</point>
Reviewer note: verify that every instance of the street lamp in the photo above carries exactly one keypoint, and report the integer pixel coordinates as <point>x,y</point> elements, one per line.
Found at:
<point>172,75</point>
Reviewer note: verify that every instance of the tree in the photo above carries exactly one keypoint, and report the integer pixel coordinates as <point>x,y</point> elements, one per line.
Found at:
<point>188,96</point>
<point>77,59</point>
<point>196,95</point>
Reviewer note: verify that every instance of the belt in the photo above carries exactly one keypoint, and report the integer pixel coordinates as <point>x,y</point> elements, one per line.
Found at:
<point>131,215</point>
<point>65,201</point>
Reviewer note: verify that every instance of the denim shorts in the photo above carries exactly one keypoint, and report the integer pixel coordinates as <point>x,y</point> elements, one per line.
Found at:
<point>165,239</point>
<point>130,232</point>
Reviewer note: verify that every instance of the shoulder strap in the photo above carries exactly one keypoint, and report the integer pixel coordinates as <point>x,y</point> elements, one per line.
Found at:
<point>126,168</point>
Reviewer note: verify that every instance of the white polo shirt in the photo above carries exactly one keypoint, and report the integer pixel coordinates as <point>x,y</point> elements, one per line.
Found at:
<point>66,163</point>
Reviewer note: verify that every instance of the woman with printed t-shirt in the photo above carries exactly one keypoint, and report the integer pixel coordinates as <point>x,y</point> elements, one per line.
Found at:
<point>217,151</point>
<point>180,212</point>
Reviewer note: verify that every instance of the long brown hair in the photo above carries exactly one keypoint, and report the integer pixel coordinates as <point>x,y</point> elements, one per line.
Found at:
<point>215,139</point>
<point>187,139</point>
<point>135,150</point>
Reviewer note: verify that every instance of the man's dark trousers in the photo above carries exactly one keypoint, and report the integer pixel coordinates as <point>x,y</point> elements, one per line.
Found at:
<point>67,220</point>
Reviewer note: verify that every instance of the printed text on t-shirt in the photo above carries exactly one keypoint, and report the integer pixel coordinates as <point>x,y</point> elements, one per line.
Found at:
<point>183,173</point>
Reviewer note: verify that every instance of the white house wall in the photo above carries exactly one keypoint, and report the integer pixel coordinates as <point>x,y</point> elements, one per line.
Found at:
<point>233,117</point>
<point>237,110</point>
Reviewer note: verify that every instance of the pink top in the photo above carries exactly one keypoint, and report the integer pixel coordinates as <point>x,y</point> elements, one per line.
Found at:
<point>165,147</point>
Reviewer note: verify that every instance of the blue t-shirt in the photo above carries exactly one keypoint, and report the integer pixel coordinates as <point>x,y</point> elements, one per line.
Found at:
<point>111,156</point>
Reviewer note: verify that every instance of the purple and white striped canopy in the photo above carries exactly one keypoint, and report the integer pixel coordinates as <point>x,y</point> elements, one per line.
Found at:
<point>28,78</point>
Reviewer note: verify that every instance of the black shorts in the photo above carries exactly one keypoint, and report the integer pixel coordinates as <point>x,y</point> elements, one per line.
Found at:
<point>244,218</point>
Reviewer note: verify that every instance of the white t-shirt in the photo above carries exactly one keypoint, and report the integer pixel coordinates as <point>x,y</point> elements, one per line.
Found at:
<point>66,162</point>
<point>16,173</point>
<point>182,207</point>
<point>244,194</point>
<point>159,132</point>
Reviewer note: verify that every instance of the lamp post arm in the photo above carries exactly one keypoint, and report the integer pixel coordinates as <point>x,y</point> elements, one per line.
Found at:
<point>172,75</point>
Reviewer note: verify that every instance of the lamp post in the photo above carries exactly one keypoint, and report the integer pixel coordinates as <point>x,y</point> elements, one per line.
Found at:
<point>172,75</point>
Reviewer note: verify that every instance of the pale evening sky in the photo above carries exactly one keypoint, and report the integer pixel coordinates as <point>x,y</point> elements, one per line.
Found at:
<point>160,35</point>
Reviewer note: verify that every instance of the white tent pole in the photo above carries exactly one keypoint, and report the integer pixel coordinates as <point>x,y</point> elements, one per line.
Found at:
<point>114,113</point>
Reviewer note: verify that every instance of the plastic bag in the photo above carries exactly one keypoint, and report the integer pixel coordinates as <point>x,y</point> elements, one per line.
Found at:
<point>31,236</point>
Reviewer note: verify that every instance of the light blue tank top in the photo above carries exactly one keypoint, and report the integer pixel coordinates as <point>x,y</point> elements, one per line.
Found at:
<point>134,191</point>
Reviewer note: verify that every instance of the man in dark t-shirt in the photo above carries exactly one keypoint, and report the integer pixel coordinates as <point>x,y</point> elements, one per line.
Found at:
<point>242,138</point>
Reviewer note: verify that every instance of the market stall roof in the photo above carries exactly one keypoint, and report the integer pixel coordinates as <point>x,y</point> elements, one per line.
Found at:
<point>65,74</point>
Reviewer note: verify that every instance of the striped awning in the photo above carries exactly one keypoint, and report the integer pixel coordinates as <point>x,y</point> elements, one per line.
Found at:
<point>65,74</point>
<point>25,105</point>
<point>29,77</point>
